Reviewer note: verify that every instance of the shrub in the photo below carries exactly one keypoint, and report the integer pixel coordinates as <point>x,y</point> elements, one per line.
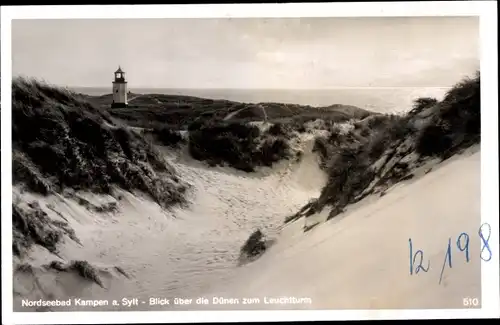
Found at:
<point>457,123</point>
<point>280,129</point>
<point>196,125</point>
<point>348,156</point>
<point>322,148</point>
<point>237,145</point>
<point>396,129</point>
<point>168,137</point>
<point>422,103</point>
<point>273,150</point>
<point>254,246</point>
<point>348,175</point>
<point>229,143</point>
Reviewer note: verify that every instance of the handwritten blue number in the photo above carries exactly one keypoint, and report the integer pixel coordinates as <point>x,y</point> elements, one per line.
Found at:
<point>466,245</point>
<point>447,258</point>
<point>414,257</point>
<point>485,241</point>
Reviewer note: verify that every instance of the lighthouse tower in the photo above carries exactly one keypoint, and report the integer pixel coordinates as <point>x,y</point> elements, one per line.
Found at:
<point>119,89</point>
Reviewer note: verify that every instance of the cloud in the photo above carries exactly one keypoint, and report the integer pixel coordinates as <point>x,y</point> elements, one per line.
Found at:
<point>255,53</point>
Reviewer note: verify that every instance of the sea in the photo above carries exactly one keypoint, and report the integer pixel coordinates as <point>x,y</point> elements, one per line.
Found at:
<point>382,100</point>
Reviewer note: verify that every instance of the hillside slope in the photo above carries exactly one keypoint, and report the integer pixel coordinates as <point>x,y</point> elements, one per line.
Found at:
<point>383,150</point>
<point>178,112</point>
<point>388,176</point>
<point>360,260</point>
<point>63,147</point>
<point>61,141</point>
<point>140,250</point>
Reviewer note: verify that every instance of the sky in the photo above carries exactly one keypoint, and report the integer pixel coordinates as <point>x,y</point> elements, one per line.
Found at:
<point>261,53</point>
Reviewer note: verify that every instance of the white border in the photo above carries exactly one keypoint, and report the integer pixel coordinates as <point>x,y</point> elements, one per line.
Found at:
<point>488,26</point>
<point>489,160</point>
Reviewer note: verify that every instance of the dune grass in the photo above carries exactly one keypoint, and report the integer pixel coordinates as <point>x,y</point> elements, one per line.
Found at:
<point>60,141</point>
<point>63,144</point>
<point>456,124</point>
<point>382,150</point>
<point>32,226</point>
<point>82,268</point>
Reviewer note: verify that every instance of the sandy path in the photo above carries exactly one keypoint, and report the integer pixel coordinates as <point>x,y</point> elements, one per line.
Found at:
<point>199,248</point>
<point>362,260</point>
<point>134,98</point>
<point>232,114</point>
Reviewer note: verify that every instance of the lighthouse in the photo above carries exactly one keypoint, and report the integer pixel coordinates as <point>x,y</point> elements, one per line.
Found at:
<point>119,89</point>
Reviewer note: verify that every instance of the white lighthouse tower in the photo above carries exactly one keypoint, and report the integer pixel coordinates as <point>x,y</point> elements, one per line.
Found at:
<point>119,89</point>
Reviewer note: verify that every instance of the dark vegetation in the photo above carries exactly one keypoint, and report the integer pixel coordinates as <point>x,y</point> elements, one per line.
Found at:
<point>62,144</point>
<point>32,226</point>
<point>219,130</point>
<point>82,268</point>
<point>254,247</point>
<point>61,141</point>
<point>244,146</point>
<point>238,145</point>
<point>179,112</point>
<point>456,123</point>
<point>421,104</point>
<point>382,150</point>
<point>167,136</point>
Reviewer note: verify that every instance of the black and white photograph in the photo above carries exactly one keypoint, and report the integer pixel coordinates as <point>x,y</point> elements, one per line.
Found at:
<point>246,163</point>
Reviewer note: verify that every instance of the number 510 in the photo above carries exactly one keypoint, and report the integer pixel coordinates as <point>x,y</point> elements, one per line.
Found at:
<point>470,302</point>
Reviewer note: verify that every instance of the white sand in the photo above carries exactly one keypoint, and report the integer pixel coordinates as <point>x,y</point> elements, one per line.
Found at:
<point>360,260</point>
<point>183,252</point>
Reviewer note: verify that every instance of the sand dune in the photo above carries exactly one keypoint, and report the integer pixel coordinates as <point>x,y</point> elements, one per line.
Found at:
<point>361,260</point>
<point>125,246</point>
<point>357,260</point>
<point>180,253</point>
